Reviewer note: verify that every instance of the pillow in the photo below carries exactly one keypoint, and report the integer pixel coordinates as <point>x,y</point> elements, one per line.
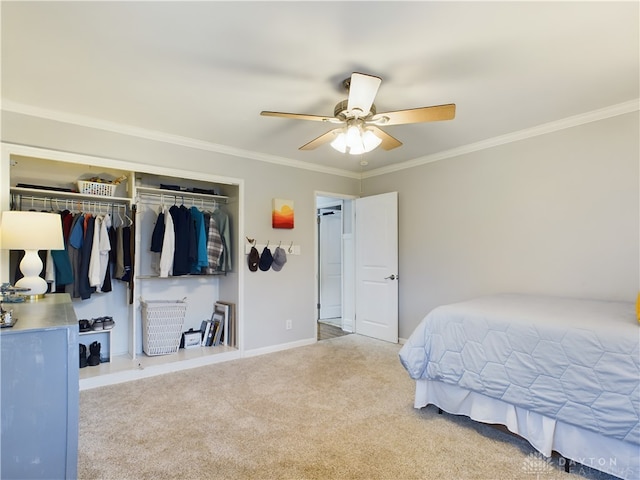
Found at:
<point>638,307</point>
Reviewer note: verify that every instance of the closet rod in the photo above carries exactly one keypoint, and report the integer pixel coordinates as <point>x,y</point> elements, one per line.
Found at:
<point>180,196</point>
<point>19,200</point>
<point>177,199</point>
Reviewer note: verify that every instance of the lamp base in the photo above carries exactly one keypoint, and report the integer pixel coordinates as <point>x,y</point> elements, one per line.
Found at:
<point>33,298</point>
<point>31,266</point>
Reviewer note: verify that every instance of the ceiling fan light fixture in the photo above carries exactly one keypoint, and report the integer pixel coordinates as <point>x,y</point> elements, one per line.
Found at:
<point>355,140</point>
<point>340,143</point>
<point>370,140</point>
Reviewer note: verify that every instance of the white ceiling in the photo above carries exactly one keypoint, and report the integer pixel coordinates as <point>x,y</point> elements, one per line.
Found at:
<point>205,70</point>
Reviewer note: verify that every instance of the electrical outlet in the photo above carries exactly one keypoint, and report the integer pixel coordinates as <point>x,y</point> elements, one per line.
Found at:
<point>289,325</point>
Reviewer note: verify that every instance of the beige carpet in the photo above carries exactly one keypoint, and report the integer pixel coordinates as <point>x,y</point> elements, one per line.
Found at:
<point>338,409</point>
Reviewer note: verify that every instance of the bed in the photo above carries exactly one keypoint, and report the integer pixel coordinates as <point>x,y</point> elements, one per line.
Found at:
<point>562,373</point>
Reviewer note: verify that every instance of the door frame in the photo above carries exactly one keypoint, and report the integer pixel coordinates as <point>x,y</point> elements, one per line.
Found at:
<point>348,258</point>
<point>329,212</point>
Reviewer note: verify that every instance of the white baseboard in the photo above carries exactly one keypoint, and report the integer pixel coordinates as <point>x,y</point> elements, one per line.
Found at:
<point>277,348</point>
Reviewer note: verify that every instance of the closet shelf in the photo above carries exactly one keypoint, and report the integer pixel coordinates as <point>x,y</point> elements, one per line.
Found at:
<point>56,194</point>
<point>178,277</point>
<point>178,195</point>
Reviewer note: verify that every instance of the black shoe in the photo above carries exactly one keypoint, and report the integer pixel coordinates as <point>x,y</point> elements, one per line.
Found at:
<point>84,325</point>
<point>94,354</point>
<point>83,355</point>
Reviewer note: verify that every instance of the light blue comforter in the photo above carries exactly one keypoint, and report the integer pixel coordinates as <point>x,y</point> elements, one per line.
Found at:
<point>574,360</point>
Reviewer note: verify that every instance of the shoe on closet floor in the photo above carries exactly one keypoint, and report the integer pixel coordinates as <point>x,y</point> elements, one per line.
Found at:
<point>94,354</point>
<point>83,355</point>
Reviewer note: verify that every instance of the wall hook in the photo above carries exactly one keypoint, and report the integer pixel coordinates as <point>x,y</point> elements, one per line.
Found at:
<point>290,249</point>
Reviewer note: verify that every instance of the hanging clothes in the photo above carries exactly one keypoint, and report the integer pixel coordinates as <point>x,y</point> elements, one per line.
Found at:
<point>127,256</point>
<point>118,271</point>
<point>201,262</point>
<point>185,251</point>
<point>157,236</point>
<point>85,257</point>
<point>62,267</point>
<point>222,221</point>
<point>61,259</point>
<point>105,247</point>
<point>99,253</point>
<point>168,247</point>
<point>74,250</point>
<point>111,236</point>
<point>214,243</point>
<point>163,244</point>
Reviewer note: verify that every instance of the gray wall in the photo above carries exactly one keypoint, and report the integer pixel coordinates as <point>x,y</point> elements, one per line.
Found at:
<point>555,214</point>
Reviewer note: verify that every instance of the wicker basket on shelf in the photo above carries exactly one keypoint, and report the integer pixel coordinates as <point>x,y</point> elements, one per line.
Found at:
<point>162,322</point>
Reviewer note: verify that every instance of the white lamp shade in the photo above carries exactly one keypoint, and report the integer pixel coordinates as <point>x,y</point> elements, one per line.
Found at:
<point>31,231</point>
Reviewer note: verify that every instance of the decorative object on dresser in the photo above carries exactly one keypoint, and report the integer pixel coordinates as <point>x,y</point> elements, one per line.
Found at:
<point>31,231</point>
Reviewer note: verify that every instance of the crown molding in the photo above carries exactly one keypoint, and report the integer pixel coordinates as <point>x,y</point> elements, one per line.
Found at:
<point>574,121</point>
<point>90,122</point>
<point>83,121</point>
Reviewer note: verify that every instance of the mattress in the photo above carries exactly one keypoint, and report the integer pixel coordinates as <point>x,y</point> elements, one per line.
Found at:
<point>575,361</point>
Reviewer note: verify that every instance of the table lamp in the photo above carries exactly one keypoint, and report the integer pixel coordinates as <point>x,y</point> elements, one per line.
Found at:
<point>31,231</point>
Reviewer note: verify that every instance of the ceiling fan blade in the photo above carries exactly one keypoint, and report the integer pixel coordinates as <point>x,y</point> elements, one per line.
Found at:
<point>416,115</point>
<point>322,139</point>
<point>388,142</point>
<point>362,91</point>
<point>297,116</point>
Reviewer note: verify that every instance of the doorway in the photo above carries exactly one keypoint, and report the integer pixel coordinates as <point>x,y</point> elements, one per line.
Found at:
<point>334,251</point>
<point>368,256</point>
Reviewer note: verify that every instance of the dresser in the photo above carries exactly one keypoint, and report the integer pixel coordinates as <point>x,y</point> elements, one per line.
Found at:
<point>39,397</point>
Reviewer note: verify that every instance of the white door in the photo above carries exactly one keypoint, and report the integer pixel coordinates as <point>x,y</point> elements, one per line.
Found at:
<point>330,242</point>
<point>377,266</point>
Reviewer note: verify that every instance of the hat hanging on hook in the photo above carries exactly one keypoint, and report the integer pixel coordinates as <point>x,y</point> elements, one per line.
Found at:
<point>266,259</point>
<point>279,259</point>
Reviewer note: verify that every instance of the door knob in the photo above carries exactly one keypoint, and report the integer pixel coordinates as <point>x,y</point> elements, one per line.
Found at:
<point>391,277</point>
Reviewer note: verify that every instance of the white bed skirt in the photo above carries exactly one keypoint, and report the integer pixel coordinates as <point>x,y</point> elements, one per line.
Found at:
<point>545,434</point>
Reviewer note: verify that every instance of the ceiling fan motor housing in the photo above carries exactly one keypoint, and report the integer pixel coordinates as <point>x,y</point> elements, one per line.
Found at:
<point>342,112</point>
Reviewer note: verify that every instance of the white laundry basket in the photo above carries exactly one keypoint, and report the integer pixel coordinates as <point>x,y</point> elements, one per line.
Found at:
<point>95,188</point>
<point>162,322</point>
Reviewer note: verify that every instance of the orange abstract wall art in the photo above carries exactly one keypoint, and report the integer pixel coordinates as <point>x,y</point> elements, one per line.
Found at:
<point>282,213</point>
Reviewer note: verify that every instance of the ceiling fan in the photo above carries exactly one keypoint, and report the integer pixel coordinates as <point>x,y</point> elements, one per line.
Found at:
<point>359,121</point>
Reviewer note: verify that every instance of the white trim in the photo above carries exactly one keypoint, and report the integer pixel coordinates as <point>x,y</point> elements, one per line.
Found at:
<point>155,370</point>
<point>84,121</point>
<point>574,121</point>
<point>127,165</point>
<point>147,134</point>
<point>277,348</point>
